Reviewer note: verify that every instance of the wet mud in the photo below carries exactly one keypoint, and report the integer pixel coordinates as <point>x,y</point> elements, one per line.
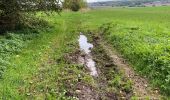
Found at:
<point>103,71</point>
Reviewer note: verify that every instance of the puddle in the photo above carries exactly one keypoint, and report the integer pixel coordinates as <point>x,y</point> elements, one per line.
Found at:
<point>84,45</point>
<point>87,59</point>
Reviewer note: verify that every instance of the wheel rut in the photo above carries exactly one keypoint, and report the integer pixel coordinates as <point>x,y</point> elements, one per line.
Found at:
<point>112,78</point>
<point>100,67</point>
<point>141,88</point>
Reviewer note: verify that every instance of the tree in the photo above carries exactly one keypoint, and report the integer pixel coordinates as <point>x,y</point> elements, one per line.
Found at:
<point>74,5</point>
<point>12,11</point>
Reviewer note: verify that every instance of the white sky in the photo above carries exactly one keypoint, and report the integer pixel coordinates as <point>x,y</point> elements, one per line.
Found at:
<point>97,0</point>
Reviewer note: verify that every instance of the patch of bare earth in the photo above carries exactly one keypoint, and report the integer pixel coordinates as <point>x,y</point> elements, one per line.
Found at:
<point>99,89</point>
<point>86,92</point>
<point>81,89</point>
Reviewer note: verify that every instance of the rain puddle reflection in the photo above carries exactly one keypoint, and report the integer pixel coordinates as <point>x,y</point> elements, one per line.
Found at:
<point>87,59</point>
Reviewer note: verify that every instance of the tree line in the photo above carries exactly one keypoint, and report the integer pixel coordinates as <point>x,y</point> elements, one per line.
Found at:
<point>12,11</point>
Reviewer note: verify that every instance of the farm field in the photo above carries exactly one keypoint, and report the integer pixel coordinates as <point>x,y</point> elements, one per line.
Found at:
<point>141,35</point>
<point>44,62</point>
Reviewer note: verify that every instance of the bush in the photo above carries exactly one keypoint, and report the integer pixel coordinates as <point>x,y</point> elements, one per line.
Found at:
<point>75,7</point>
<point>12,11</point>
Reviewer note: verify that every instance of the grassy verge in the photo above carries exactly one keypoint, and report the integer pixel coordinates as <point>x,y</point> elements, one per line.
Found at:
<point>28,61</point>
<point>147,48</point>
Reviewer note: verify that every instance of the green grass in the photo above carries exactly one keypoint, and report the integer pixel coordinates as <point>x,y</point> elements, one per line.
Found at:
<point>142,37</point>
<point>147,48</point>
<point>140,34</point>
<point>27,62</point>
<point>148,15</point>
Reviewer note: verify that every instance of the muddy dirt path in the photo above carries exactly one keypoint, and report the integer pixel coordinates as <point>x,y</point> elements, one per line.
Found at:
<point>140,85</point>
<point>103,71</point>
<point>111,77</point>
<point>87,60</point>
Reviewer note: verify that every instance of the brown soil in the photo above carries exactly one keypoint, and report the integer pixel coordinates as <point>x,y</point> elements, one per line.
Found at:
<point>85,91</point>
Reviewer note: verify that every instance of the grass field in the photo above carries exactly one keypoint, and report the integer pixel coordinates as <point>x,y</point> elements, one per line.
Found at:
<point>141,35</point>
<point>28,60</point>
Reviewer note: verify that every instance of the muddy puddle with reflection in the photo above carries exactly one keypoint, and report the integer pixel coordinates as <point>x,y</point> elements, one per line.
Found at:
<point>87,58</point>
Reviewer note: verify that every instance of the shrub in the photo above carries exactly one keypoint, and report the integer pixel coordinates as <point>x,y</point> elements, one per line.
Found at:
<point>75,6</point>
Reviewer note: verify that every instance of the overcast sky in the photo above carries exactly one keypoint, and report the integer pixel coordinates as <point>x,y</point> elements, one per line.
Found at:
<point>97,0</point>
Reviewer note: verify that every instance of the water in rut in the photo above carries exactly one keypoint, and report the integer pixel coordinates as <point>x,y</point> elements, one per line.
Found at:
<point>87,59</point>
